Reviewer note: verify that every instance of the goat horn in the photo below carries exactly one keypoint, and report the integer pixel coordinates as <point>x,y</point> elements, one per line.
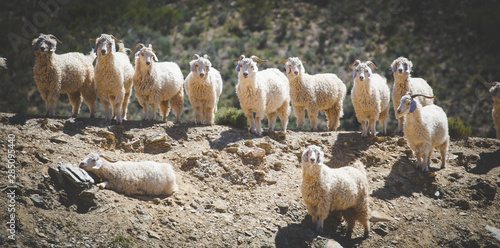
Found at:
<point>55,38</point>
<point>415,95</point>
<point>372,64</point>
<point>107,158</point>
<point>138,45</point>
<point>93,39</point>
<point>240,58</point>
<point>258,60</point>
<point>206,56</point>
<point>195,55</point>
<point>356,62</point>
<point>285,61</point>
<point>119,41</point>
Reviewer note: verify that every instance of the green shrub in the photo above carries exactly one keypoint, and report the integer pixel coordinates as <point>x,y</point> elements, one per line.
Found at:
<point>231,117</point>
<point>457,128</point>
<point>122,242</point>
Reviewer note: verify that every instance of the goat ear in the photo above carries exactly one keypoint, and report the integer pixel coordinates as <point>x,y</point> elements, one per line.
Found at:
<point>354,73</point>
<point>35,44</point>
<point>95,47</point>
<point>98,164</point>
<point>413,106</point>
<point>394,69</point>
<point>156,58</point>
<point>52,48</point>
<point>409,69</point>
<point>305,156</point>
<point>321,158</point>
<point>238,68</point>
<point>369,73</point>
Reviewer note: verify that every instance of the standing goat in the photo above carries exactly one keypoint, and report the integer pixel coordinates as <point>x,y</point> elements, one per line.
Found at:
<point>315,93</point>
<point>203,86</point>
<point>158,84</point>
<point>326,189</point>
<point>70,73</point>
<point>426,127</point>
<point>113,77</point>
<point>403,83</point>
<point>495,93</point>
<point>370,97</point>
<point>264,92</point>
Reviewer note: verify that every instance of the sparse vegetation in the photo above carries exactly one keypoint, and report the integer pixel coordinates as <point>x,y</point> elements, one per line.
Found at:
<point>231,116</point>
<point>121,241</point>
<point>458,129</point>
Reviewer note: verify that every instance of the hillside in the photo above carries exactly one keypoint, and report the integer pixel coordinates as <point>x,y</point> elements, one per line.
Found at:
<point>451,43</point>
<point>227,199</point>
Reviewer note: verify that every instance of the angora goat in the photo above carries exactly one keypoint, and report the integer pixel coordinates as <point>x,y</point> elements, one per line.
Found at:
<point>341,189</point>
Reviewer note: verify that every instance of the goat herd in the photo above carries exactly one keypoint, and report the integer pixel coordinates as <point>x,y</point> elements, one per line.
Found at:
<point>267,92</point>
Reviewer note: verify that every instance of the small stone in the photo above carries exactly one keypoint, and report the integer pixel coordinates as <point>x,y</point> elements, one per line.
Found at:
<point>380,231</point>
<point>494,231</point>
<point>332,244</point>
<point>255,152</point>
<point>277,166</point>
<point>42,158</point>
<point>156,201</point>
<point>249,143</point>
<point>401,142</point>
<point>267,147</point>
<point>378,216</point>
<point>232,149</point>
<point>107,135</point>
<point>38,201</point>
<point>154,235</point>
<point>283,208</point>
<point>58,140</point>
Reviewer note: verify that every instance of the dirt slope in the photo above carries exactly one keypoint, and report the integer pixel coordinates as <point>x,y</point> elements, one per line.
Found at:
<point>227,199</point>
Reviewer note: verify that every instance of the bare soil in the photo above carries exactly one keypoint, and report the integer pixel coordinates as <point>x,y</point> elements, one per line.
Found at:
<point>227,199</point>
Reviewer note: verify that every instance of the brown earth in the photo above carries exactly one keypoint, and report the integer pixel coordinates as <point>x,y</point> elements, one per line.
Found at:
<point>227,199</point>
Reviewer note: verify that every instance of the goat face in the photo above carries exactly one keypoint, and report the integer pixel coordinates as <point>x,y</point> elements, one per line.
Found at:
<point>406,105</point>
<point>294,66</point>
<point>247,67</point>
<point>362,71</point>
<point>313,155</point>
<point>146,56</point>
<point>401,65</point>
<point>201,66</point>
<point>91,162</point>
<point>104,45</point>
<point>495,90</point>
<point>45,44</point>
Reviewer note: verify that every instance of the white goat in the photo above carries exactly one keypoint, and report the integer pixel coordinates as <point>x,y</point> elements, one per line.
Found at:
<point>370,97</point>
<point>203,86</point>
<point>403,83</point>
<point>3,63</point>
<point>132,178</point>
<point>315,93</point>
<point>264,92</point>
<point>113,77</point>
<point>426,127</point>
<point>70,73</point>
<point>495,93</point>
<point>158,84</point>
<point>342,189</point>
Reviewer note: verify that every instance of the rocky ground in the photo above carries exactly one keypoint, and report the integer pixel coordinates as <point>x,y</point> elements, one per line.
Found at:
<point>228,197</point>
